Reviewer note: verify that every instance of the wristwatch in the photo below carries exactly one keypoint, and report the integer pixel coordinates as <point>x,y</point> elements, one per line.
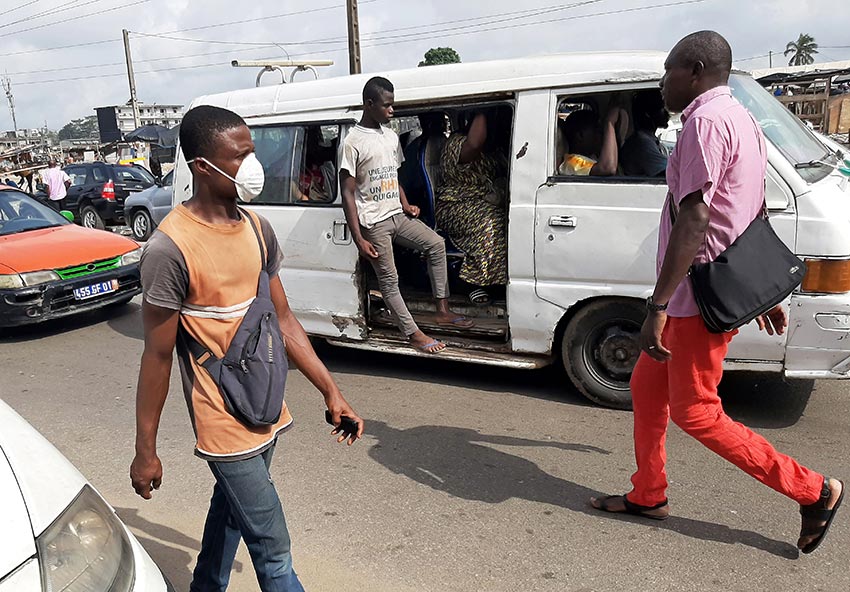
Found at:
<point>651,306</point>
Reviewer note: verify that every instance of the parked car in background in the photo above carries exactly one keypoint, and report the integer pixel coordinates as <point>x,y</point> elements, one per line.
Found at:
<point>144,211</point>
<point>98,191</point>
<point>58,532</point>
<point>51,268</point>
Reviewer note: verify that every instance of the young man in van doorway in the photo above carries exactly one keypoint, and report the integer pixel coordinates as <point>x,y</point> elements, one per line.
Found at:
<point>379,215</point>
<point>716,180</point>
<point>200,273</point>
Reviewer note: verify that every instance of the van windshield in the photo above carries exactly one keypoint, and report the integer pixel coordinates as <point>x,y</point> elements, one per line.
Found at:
<point>786,132</point>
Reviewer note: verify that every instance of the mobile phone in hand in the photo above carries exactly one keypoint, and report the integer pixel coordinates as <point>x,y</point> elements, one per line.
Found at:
<point>347,425</point>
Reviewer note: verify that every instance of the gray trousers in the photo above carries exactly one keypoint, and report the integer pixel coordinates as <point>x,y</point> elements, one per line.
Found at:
<point>412,234</point>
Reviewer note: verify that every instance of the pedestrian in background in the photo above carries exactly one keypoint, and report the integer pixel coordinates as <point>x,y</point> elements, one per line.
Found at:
<point>57,182</point>
<point>200,274</point>
<point>716,181</point>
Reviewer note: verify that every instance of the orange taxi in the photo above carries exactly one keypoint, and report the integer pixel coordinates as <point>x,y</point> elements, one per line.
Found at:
<point>51,268</point>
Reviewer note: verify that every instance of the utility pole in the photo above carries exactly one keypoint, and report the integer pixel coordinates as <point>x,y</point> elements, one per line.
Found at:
<point>7,86</point>
<point>134,103</point>
<point>771,58</point>
<point>354,64</point>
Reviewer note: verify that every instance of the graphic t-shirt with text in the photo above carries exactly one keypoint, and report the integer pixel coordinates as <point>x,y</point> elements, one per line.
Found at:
<point>373,157</point>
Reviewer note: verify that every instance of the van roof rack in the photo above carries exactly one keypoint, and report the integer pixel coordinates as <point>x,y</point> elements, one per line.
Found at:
<point>279,65</point>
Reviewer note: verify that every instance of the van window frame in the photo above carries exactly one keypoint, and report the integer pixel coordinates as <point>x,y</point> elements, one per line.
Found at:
<point>558,96</point>
<point>343,125</point>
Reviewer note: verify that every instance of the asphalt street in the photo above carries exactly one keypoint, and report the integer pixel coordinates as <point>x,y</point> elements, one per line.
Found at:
<point>469,479</point>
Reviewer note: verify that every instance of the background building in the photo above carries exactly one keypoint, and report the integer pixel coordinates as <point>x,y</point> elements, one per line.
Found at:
<point>23,137</point>
<point>116,120</point>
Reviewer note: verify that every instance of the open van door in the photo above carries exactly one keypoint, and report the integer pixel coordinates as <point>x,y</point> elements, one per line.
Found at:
<point>303,202</point>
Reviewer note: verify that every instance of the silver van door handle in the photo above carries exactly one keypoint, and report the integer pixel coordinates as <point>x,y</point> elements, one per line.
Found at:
<point>341,236</point>
<point>563,221</point>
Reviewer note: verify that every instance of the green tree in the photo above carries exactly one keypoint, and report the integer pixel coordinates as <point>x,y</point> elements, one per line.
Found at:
<point>802,51</point>
<point>85,127</point>
<point>440,55</point>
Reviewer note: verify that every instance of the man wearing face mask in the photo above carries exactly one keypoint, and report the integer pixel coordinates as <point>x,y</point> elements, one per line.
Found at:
<point>200,274</point>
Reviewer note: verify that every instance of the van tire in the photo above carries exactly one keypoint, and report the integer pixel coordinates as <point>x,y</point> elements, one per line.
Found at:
<point>90,218</point>
<point>600,348</point>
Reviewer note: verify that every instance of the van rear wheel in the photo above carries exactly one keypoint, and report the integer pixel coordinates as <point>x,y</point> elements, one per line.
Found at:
<point>600,349</point>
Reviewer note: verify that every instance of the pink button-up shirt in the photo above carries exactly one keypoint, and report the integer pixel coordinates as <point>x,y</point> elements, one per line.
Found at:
<point>721,152</point>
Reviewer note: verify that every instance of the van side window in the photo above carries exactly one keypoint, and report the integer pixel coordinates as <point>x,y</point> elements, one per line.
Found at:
<point>300,163</point>
<point>642,137</point>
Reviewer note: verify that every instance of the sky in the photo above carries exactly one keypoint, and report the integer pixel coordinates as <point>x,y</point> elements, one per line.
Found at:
<point>198,39</point>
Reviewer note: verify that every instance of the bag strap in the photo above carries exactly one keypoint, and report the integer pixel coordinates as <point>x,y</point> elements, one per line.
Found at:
<point>671,207</point>
<point>764,212</point>
<point>263,251</point>
<point>203,356</point>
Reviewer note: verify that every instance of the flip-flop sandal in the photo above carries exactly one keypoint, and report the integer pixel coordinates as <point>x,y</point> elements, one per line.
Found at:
<point>630,508</point>
<point>426,349</point>
<point>459,321</point>
<point>479,297</point>
<point>813,513</point>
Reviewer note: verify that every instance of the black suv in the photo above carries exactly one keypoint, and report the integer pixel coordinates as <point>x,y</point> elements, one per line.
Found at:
<point>98,190</point>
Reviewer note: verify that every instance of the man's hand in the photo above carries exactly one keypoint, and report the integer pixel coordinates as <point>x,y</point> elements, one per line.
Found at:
<point>773,321</point>
<point>146,475</point>
<point>338,407</point>
<point>412,211</point>
<point>650,336</point>
<point>367,249</point>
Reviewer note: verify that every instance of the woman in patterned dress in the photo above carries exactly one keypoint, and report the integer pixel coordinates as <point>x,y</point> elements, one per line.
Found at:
<point>471,204</point>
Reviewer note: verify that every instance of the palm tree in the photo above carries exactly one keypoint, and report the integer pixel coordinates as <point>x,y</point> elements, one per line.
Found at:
<point>803,50</point>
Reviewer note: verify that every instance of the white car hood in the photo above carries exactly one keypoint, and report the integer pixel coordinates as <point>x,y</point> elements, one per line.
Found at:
<point>48,482</point>
<point>17,543</point>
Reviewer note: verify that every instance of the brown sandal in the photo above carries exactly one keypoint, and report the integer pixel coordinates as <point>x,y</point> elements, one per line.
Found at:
<point>630,508</point>
<point>817,518</point>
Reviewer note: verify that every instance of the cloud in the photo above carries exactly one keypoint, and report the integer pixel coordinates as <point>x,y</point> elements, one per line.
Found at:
<point>390,40</point>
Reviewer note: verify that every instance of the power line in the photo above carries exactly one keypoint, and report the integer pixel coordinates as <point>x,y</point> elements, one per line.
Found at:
<point>517,25</point>
<point>116,40</point>
<point>575,17</point>
<point>764,55</point>
<point>30,3</point>
<point>527,13</point>
<point>87,44</point>
<point>70,5</point>
<point>122,64</point>
<point>262,18</point>
<point>76,18</point>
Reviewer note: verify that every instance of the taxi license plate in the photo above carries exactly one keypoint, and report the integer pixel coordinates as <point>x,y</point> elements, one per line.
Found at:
<point>95,290</point>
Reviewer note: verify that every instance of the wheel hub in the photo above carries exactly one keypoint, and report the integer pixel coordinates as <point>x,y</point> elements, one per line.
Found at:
<point>140,226</point>
<point>617,352</point>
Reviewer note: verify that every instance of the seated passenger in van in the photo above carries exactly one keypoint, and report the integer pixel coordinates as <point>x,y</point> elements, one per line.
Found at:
<point>317,181</point>
<point>592,149</point>
<point>471,204</point>
<point>378,214</point>
<point>411,176</point>
<point>642,155</point>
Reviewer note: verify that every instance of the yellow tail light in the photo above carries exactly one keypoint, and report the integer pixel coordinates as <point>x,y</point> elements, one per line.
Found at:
<point>827,276</point>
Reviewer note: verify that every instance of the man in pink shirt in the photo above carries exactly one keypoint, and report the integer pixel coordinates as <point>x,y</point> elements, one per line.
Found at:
<point>716,185</point>
<point>57,182</point>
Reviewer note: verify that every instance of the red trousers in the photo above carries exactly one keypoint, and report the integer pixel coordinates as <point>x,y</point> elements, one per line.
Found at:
<point>684,389</point>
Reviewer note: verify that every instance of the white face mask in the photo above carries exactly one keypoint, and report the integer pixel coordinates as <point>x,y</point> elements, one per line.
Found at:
<point>250,178</point>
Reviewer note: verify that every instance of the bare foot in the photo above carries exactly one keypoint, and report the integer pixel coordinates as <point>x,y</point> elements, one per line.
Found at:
<point>452,319</point>
<point>426,344</point>
<point>618,504</point>
<point>814,528</point>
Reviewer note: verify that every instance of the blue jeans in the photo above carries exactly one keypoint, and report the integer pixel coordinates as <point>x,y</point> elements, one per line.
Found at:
<point>245,504</point>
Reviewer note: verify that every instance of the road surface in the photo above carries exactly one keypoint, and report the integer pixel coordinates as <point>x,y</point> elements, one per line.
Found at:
<point>470,479</point>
